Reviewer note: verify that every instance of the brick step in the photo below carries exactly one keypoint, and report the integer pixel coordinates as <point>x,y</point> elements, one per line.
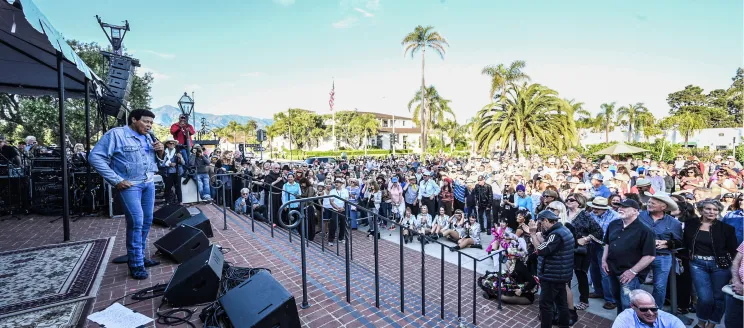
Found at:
<point>363,280</point>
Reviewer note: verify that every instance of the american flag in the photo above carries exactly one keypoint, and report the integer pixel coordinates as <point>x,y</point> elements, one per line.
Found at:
<point>332,93</point>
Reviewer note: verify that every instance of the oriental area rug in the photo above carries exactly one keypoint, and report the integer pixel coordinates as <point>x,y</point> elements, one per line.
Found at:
<point>52,285</point>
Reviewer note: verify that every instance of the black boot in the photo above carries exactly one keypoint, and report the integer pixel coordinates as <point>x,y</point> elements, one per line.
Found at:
<point>573,318</point>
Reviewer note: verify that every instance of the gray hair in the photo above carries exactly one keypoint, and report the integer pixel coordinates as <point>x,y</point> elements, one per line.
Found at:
<point>636,294</point>
<point>244,191</point>
<point>29,138</point>
<point>701,204</point>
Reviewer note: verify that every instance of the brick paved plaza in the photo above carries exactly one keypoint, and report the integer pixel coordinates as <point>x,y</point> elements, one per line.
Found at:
<point>326,275</point>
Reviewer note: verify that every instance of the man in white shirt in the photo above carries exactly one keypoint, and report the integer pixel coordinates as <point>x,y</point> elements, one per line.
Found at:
<point>338,206</point>
<point>643,313</point>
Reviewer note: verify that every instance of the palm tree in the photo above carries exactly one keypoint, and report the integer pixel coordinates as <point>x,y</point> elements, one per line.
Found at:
<point>454,132</point>
<point>688,123</point>
<point>420,39</point>
<point>502,76</point>
<point>530,115</point>
<point>437,109</point>
<point>605,119</point>
<point>631,114</point>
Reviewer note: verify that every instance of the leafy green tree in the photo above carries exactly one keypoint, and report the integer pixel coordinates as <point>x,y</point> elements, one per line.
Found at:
<point>646,123</point>
<point>713,106</point>
<point>630,114</point>
<point>530,116</point>
<point>502,76</point>
<point>605,119</point>
<point>298,125</point>
<point>687,123</point>
<point>735,94</point>
<point>362,125</point>
<point>418,40</point>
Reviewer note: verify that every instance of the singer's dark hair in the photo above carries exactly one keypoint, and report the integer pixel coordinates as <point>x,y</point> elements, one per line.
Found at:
<point>138,113</point>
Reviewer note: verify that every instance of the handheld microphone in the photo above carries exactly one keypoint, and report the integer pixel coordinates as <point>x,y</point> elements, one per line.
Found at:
<point>152,135</point>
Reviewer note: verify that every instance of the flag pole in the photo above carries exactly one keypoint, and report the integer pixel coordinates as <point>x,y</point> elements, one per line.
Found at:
<point>333,114</point>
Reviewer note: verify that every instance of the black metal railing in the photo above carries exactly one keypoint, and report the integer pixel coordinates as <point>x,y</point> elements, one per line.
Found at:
<point>301,222</point>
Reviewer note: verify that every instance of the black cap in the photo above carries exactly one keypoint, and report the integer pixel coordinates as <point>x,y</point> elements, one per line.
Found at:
<point>548,215</point>
<point>629,203</point>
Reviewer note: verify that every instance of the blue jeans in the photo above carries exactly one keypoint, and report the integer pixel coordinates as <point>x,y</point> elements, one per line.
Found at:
<point>600,280</point>
<point>734,316</point>
<point>622,291</point>
<point>138,202</point>
<point>708,280</point>
<point>202,181</point>
<point>661,266</point>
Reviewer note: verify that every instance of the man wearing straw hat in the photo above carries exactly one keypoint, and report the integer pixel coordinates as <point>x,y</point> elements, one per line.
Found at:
<point>603,215</point>
<point>668,232</point>
<point>171,169</point>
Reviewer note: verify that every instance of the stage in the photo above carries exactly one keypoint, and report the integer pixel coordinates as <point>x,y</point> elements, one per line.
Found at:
<point>326,282</point>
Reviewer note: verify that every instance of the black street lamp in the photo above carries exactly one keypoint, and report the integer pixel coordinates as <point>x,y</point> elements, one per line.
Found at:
<point>186,104</point>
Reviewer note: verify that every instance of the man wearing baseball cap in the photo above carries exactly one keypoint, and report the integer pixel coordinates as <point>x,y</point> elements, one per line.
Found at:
<point>555,250</point>
<point>668,232</point>
<point>428,190</point>
<point>631,248</point>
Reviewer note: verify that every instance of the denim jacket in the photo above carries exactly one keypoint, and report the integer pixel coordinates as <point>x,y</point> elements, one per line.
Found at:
<point>119,156</point>
<point>252,200</point>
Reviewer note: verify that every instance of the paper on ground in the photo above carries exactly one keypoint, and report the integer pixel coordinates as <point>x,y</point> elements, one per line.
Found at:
<point>118,316</point>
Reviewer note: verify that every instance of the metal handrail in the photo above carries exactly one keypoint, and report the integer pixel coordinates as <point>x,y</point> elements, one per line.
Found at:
<point>300,220</point>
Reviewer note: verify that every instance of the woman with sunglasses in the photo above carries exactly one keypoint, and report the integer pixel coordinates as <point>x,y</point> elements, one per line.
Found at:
<point>722,183</point>
<point>585,230</point>
<point>712,246</point>
<point>691,179</point>
<point>735,217</point>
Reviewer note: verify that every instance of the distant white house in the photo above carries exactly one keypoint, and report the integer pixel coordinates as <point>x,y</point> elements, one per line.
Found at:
<point>714,139</point>
<point>408,135</point>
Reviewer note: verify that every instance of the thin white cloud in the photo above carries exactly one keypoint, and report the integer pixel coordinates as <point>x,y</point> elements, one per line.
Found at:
<point>160,54</point>
<point>373,4</point>
<point>345,23</point>
<point>364,12</point>
<point>251,74</point>
<point>157,75</point>
<point>285,3</point>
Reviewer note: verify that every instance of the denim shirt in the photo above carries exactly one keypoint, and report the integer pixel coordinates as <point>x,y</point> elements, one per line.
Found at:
<point>252,200</point>
<point>119,155</point>
<point>668,228</point>
<point>605,219</point>
<point>736,220</point>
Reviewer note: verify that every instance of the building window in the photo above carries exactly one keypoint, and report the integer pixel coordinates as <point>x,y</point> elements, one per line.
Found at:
<point>720,134</point>
<point>405,140</point>
<point>404,123</point>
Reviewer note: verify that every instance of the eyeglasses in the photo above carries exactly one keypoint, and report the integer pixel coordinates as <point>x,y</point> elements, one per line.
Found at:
<point>554,209</point>
<point>570,200</point>
<point>646,309</point>
<point>244,194</point>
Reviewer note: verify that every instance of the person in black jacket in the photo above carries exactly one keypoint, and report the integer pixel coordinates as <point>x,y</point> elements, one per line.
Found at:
<point>555,251</point>
<point>483,199</point>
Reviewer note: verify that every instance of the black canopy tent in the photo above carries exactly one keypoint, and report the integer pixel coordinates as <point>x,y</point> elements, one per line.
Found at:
<point>36,60</point>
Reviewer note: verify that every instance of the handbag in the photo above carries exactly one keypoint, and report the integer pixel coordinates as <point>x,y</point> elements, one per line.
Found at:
<point>581,250</point>
<point>724,262</point>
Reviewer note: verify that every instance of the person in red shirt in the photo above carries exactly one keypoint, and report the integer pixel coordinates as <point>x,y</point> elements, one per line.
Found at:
<point>180,128</point>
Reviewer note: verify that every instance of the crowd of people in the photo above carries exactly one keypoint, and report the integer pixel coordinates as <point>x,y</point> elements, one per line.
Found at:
<point>625,217</point>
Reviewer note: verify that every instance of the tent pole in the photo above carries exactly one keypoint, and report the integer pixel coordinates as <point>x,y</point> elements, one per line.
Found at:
<point>63,145</point>
<point>88,181</point>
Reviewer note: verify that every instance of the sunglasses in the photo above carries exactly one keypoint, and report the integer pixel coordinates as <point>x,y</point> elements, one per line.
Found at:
<point>645,309</point>
<point>570,200</point>
<point>244,194</point>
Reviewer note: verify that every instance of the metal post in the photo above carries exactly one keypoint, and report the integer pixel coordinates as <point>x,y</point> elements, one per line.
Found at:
<point>498,283</point>
<point>348,272</point>
<point>336,217</point>
<point>377,262</point>
<point>271,210</point>
<point>423,275</point>
<point>322,229</point>
<point>459,285</point>
<point>350,231</point>
<point>402,282</point>
<point>475,286</point>
<point>88,182</point>
<point>303,227</point>
<point>441,277</point>
<point>253,218</point>
<point>224,210</point>
<point>62,143</point>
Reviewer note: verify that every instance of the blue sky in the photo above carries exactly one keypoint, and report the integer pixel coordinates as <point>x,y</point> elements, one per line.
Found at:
<point>258,57</point>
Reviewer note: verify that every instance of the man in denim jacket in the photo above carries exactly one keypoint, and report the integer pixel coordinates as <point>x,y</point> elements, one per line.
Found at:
<point>126,158</point>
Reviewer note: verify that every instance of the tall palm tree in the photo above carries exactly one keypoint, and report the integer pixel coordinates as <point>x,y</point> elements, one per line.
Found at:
<point>531,115</point>
<point>631,114</point>
<point>437,109</point>
<point>688,123</point>
<point>605,119</point>
<point>418,40</point>
<point>502,76</point>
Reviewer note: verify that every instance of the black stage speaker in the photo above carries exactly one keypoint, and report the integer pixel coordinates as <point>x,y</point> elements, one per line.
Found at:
<point>120,78</point>
<point>182,243</point>
<point>260,302</point>
<point>170,215</point>
<point>201,222</point>
<point>197,280</point>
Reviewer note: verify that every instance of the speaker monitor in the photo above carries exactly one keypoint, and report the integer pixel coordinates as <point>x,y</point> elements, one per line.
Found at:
<point>170,215</point>
<point>197,280</point>
<point>201,222</point>
<point>260,302</point>
<point>120,79</point>
<point>182,243</point>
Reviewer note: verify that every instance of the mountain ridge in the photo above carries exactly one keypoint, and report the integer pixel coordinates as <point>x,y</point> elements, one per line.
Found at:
<point>167,115</point>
